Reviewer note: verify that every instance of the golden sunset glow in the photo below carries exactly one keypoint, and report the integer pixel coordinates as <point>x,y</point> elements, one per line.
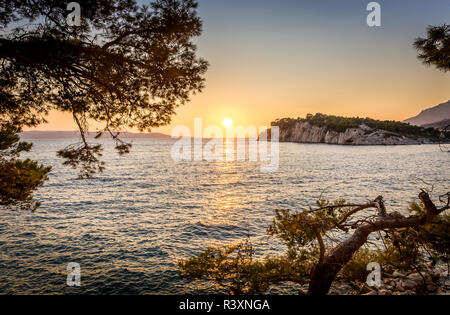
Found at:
<point>368,72</point>
<point>227,122</point>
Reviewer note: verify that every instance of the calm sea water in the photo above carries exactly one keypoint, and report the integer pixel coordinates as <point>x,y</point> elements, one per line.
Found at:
<point>129,226</point>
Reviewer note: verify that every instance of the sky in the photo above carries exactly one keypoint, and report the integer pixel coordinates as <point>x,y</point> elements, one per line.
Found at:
<point>288,58</point>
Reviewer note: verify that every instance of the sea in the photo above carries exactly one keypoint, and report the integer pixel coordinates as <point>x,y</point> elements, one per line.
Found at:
<point>128,227</point>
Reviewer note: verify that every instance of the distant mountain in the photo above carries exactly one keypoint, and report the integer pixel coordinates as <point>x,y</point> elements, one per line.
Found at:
<point>431,116</point>
<point>29,135</point>
<point>439,124</point>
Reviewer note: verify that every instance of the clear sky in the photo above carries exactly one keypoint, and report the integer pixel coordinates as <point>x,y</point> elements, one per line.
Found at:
<point>287,58</point>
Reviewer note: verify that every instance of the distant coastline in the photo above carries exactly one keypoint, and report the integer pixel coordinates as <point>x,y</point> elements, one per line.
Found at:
<point>34,134</point>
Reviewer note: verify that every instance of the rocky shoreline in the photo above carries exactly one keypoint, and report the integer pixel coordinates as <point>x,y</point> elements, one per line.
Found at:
<point>435,281</point>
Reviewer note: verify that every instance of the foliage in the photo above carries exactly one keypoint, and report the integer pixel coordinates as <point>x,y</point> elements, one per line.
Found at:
<point>435,48</point>
<point>18,178</point>
<point>85,155</point>
<point>125,66</point>
<point>434,237</point>
<point>230,267</point>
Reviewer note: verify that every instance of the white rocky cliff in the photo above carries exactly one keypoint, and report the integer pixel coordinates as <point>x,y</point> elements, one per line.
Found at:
<point>304,132</point>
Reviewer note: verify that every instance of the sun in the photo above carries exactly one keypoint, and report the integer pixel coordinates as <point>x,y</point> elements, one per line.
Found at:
<point>227,122</point>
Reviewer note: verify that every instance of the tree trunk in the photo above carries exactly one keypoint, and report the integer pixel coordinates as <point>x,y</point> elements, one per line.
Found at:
<point>322,275</point>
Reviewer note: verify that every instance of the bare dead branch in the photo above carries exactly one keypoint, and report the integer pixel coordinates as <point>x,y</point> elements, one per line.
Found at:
<point>324,272</point>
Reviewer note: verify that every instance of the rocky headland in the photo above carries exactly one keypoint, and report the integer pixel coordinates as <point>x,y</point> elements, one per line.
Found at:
<point>355,131</point>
